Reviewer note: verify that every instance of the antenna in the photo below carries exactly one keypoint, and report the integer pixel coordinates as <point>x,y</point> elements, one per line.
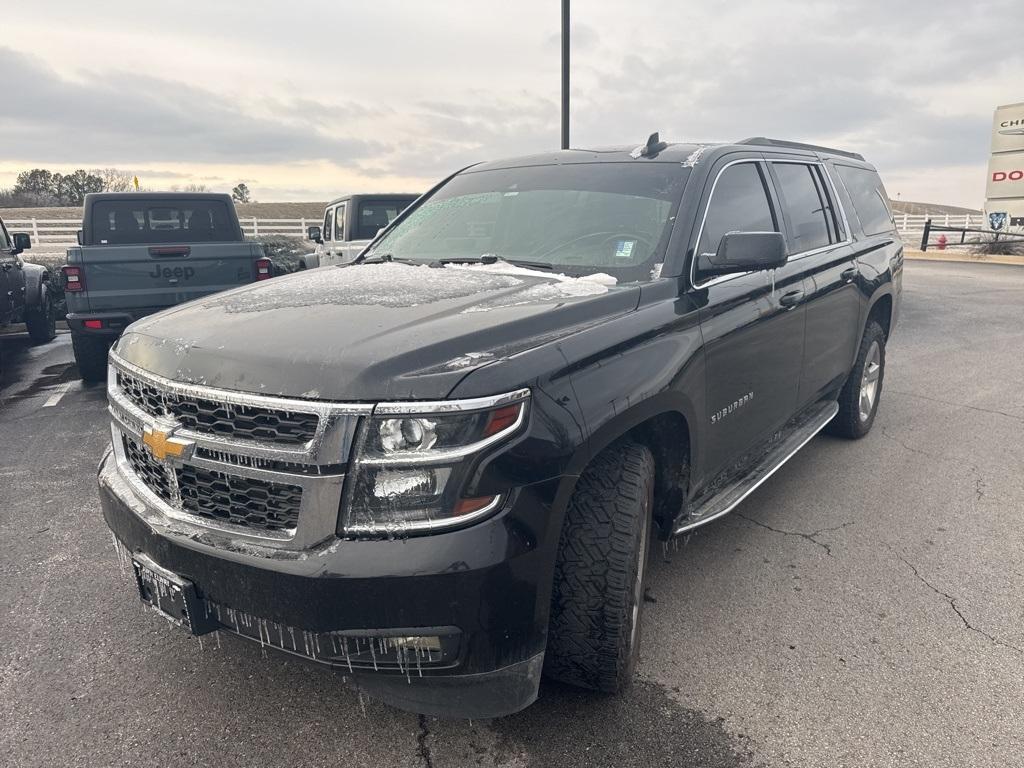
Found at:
<point>653,146</point>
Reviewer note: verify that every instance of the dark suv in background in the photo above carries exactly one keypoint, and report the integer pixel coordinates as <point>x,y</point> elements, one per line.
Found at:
<point>25,295</point>
<point>441,467</point>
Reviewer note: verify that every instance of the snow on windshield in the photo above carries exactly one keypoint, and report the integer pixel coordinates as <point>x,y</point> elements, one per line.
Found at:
<point>393,284</point>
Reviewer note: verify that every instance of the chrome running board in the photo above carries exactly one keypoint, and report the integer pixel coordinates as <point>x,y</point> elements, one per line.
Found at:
<point>726,500</point>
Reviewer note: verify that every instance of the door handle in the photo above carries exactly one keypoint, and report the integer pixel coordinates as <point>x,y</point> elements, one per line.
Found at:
<point>848,274</point>
<point>791,299</point>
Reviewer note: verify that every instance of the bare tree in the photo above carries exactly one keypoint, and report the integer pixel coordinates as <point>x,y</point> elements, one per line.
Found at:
<point>116,180</point>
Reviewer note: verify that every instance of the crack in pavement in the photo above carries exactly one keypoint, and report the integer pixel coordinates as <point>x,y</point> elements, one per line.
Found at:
<point>811,537</point>
<point>979,475</point>
<point>957,405</point>
<point>422,748</point>
<point>952,604</point>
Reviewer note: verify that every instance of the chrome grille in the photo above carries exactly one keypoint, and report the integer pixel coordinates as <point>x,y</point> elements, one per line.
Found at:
<point>151,472</point>
<point>239,500</point>
<point>259,468</point>
<point>235,420</point>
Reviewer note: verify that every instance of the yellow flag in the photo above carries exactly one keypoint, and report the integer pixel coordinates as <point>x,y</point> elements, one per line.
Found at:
<point>135,180</point>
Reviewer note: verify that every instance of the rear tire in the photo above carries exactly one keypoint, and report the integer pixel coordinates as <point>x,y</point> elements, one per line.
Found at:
<point>41,322</point>
<point>858,401</point>
<point>597,596</point>
<point>91,356</point>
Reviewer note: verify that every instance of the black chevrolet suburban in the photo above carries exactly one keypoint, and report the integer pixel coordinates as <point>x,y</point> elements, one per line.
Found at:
<point>440,468</point>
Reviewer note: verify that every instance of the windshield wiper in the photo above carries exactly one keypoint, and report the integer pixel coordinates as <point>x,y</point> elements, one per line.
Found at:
<point>531,264</point>
<point>487,258</point>
<point>383,258</point>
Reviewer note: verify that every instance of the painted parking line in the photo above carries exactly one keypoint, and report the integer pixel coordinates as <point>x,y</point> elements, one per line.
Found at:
<point>58,393</point>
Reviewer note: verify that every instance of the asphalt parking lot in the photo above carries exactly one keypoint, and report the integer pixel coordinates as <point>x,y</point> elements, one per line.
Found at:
<point>863,608</point>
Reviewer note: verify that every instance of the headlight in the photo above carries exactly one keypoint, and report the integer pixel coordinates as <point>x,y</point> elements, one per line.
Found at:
<point>412,459</point>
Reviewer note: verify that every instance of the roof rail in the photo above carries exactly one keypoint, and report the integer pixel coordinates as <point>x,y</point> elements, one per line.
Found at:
<point>763,142</point>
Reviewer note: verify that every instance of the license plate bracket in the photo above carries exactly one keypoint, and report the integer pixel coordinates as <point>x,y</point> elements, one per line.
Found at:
<point>170,595</point>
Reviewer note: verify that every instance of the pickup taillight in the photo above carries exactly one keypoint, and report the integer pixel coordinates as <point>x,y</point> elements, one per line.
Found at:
<point>74,280</point>
<point>264,269</point>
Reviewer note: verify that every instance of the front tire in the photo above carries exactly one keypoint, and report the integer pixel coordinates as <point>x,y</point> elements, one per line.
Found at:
<point>858,401</point>
<point>597,596</point>
<point>41,322</point>
<point>91,356</point>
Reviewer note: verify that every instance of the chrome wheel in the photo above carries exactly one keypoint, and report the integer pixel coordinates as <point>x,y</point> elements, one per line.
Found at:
<point>869,381</point>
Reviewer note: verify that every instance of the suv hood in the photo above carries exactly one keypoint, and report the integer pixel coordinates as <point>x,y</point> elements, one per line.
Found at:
<point>369,331</point>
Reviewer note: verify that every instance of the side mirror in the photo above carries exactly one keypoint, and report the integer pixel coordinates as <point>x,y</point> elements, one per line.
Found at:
<point>22,242</point>
<point>80,235</point>
<point>313,233</point>
<point>744,252</point>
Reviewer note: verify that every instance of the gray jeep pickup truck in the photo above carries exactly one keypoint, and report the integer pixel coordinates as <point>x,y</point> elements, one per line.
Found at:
<point>350,223</point>
<point>140,253</point>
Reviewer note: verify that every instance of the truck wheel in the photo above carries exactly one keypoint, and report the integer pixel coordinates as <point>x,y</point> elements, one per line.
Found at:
<point>597,597</point>
<point>91,356</point>
<point>858,402</point>
<point>42,322</point>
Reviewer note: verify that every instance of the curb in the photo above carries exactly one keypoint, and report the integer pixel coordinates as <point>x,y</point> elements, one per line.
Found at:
<point>962,258</point>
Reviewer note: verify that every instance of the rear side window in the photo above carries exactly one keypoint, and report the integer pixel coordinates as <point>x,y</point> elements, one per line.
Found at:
<point>869,199</point>
<point>339,223</point>
<point>812,220</point>
<point>127,222</point>
<point>5,243</point>
<point>739,203</point>
<point>328,224</point>
<point>374,215</point>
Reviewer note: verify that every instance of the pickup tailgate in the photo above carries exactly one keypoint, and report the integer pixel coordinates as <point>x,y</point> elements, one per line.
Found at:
<point>157,276</point>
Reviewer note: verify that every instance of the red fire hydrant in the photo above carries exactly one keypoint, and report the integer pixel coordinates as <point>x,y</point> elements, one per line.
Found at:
<point>941,242</point>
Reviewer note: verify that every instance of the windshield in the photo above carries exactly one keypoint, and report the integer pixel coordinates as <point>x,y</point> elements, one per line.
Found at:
<point>578,219</point>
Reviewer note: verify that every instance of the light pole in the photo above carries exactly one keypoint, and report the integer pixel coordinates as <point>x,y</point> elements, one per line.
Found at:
<point>565,74</point>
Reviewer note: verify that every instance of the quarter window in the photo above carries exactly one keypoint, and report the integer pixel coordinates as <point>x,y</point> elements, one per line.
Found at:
<point>812,221</point>
<point>5,243</point>
<point>739,203</point>
<point>328,223</point>
<point>869,199</point>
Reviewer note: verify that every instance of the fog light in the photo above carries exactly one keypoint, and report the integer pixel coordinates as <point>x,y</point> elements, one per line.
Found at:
<point>416,643</point>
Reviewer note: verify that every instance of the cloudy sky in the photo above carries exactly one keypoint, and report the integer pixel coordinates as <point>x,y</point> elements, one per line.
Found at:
<point>305,100</point>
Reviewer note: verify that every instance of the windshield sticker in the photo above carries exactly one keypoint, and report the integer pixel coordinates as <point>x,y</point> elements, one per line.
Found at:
<point>624,249</point>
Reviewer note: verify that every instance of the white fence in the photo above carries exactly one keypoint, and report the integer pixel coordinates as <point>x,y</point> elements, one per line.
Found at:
<point>54,235</point>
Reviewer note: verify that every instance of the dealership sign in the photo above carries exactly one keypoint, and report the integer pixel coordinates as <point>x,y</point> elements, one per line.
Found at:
<point>1004,190</point>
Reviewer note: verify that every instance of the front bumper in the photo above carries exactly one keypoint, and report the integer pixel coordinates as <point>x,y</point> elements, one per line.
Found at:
<point>486,589</point>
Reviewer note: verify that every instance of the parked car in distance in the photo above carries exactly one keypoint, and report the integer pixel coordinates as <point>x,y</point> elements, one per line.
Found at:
<point>25,295</point>
<point>442,465</point>
<point>350,223</point>
<point>139,253</point>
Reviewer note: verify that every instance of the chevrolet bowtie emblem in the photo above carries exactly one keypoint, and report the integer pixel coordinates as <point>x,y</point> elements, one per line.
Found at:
<point>162,445</point>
